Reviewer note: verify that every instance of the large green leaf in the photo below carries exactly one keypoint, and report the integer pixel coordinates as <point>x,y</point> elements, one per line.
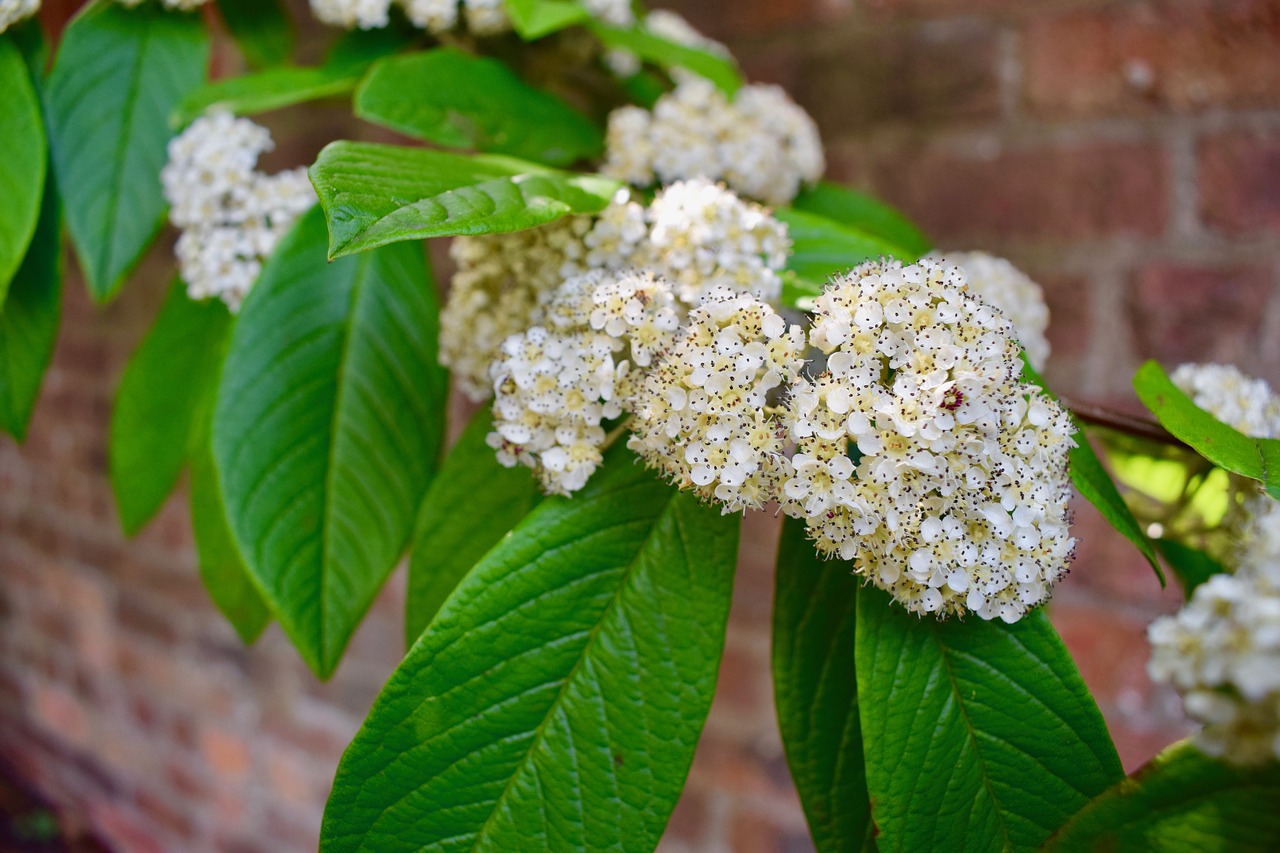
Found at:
<point>1224,446</point>
<point>555,701</point>
<point>379,194</point>
<point>328,422</point>
<point>473,502</point>
<point>1181,801</point>
<point>978,735</point>
<point>118,75</point>
<point>862,213</point>
<point>222,569</point>
<point>1096,486</point>
<point>158,406</point>
<point>821,248</point>
<point>533,19</point>
<point>261,28</point>
<point>29,319</point>
<point>816,691</point>
<point>461,101</point>
<point>22,168</point>
<point>720,70</point>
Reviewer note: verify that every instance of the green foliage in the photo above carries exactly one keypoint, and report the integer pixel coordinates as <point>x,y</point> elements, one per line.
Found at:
<point>816,691</point>
<point>461,101</point>
<point>1181,801</point>
<point>1191,566</point>
<point>29,318</point>
<point>534,19</point>
<point>1096,486</point>
<point>161,402</point>
<point>118,75</point>
<point>329,417</point>
<point>978,735</point>
<point>822,248</point>
<point>472,504</point>
<point>261,28</point>
<point>555,701</point>
<point>720,70</point>
<point>22,168</point>
<point>861,212</point>
<point>374,195</point>
<point>1228,448</point>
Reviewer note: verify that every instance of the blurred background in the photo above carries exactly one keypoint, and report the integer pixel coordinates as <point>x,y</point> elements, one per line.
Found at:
<point>1125,154</point>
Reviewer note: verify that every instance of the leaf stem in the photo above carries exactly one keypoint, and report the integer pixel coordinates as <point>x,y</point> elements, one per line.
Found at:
<point>1123,422</point>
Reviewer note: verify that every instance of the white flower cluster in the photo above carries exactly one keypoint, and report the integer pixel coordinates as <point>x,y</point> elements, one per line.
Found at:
<point>1222,650</point>
<point>482,17</point>
<point>14,11</point>
<point>761,143</point>
<point>231,215</point>
<point>557,383</point>
<point>1232,397</point>
<point>956,497</point>
<point>703,416</point>
<point>180,5</point>
<point>1002,285</point>
<point>694,234</point>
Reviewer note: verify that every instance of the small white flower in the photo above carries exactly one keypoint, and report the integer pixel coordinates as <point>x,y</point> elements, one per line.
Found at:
<point>1232,397</point>
<point>1002,285</point>
<point>14,11</point>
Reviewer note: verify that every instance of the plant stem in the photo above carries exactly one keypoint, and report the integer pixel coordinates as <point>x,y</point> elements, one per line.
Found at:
<point>1122,422</point>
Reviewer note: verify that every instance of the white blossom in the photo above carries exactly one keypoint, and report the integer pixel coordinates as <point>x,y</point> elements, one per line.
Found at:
<point>703,416</point>
<point>557,383</point>
<point>921,457</point>
<point>695,235</point>
<point>231,215</point>
<point>672,27</point>
<point>761,143</point>
<point>1237,400</point>
<point>1002,285</point>
<point>13,11</point>
<point>353,14</point>
<point>481,17</point>
<point>180,5</point>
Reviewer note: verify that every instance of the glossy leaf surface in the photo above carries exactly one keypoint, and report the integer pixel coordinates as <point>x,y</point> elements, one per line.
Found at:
<point>261,28</point>
<point>22,168</point>
<point>329,418</point>
<point>978,735</point>
<point>374,195</point>
<point>555,701</point>
<point>863,213</point>
<point>457,100</point>
<point>118,75</point>
<point>816,692</point>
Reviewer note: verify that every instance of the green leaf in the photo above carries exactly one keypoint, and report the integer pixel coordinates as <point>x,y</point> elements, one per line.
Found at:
<point>978,735</point>
<point>1191,566</point>
<point>267,90</point>
<point>1228,448</point>
<point>816,691</point>
<point>1181,800</point>
<point>555,701</point>
<point>158,406</point>
<point>863,213</point>
<point>328,422</point>
<point>1096,486</point>
<point>22,167</point>
<point>118,75</point>
<point>720,70</point>
<point>261,28</point>
<point>30,316</point>
<point>461,101</point>
<point>822,248</point>
<point>472,504</point>
<point>29,38</point>
<point>374,195</point>
<point>222,569</point>
<point>533,19</point>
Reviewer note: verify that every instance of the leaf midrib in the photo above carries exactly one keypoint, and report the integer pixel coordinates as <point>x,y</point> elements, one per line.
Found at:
<point>538,732</point>
<point>117,177</point>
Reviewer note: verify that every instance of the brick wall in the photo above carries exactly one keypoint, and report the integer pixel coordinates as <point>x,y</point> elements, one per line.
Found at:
<point>1126,153</point>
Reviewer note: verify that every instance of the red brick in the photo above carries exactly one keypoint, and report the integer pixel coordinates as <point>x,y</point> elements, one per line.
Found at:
<point>164,813</point>
<point>1240,181</point>
<point>125,828</point>
<point>689,820</point>
<point>1181,56</point>
<point>1070,313</point>
<point>1109,647</point>
<point>722,19</point>
<point>1107,565</point>
<point>1190,313</point>
<point>227,754</point>
<point>903,75</point>
<point>1050,194</point>
<point>60,714</point>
